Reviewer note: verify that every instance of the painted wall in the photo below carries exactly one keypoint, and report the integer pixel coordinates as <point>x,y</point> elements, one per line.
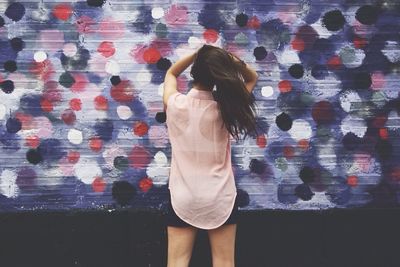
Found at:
<point>81,96</point>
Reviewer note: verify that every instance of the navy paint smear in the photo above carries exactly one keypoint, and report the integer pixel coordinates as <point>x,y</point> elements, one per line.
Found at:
<point>104,129</point>
<point>15,11</point>
<point>210,17</point>
<point>144,20</point>
<point>26,178</point>
<point>6,52</point>
<point>304,192</point>
<point>273,33</point>
<point>30,104</point>
<point>286,193</point>
<point>51,149</point>
<point>78,62</point>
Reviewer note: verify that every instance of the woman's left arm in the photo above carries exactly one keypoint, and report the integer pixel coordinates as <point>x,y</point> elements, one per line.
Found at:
<point>170,82</point>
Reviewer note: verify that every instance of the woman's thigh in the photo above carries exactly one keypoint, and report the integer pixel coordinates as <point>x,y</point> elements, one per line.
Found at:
<point>222,242</point>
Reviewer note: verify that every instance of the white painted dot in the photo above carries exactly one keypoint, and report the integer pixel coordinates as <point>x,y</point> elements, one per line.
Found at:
<point>160,158</point>
<point>40,56</point>
<point>194,42</point>
<point>157,12</point>
<point>87,170</point>
<point>353,124</point>
<point>349,99</point>
<point>124,112</point>
<point>267,91</point>
<point>2,111</point>
<point>143,78</point>
<point>75,136</point>
<point>301,129</point>
<point>70,49</point>
<point>161,89</point>
<point>112,67</point>
<point>8,185</point>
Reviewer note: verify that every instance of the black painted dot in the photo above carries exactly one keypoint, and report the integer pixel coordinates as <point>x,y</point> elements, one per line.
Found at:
<point>161,117</point>
<point>66,80</point>
<point>17,44</point>
<point>10,65</point>
<point>307,174</point>
<point>362,80</point>
<point>367,14</point>
<point>123,192</point>
<point>95,3</point>
<point>163,64</point>
<point>296,71</point>
<point>242,19</point>
<point>2,22</point>
<point>121,163</point>
<point>284,121</point>
<point>13,125</point>
<point>115,80</point>
<point>257,166</point>
<point>304,192</point>
<point>34,156</point>
<point>260,52</point>
<point>7,86</point>
<point>333,20</point>
<point>351,141</point>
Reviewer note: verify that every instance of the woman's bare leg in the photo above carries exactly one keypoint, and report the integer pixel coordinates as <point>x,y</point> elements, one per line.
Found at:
<point>180,245</point>
<point>222,242</point>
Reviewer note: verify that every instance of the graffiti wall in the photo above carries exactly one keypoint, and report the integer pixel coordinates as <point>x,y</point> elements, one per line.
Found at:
<point>81,113</point>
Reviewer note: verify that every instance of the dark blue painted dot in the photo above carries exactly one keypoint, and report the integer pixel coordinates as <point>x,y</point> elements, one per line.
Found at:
<point>15,11</point>
<point>284,121</point>
<point>51,149</point>
<point>362,80</point>
<point>7,86</point>
<point>243,198</point>
<point>115,80</point>
<point>95,3</point>
<point>26,178</point>
<point>296,71</point>
<point>242,19</point>
<point>33,156</point>
<point>304,192</point>
<point>351,141</point>
<point>2,22</point>
<point>333,20</point>
<point>17,44</point>
<point>123,192</point>
<point>30,104</point>
<point>286,193</point>
<point>260,52</point>
<point>163,64</point>
<point>13,125</point>
<point>339,193</point>
<point>144,20</point>
<point>257,166</point>
<point>10,65</point>
<point>161,117</point>
<point>210,17</point>
<point>66,80</point>
<point>367,14</point>
<point>307,174</point>
<point>319,72</point>
<point>104,129</point>
<point>384,148</point>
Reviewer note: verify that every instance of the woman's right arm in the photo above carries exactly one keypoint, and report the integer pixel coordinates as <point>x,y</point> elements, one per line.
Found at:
<point>250,76</point>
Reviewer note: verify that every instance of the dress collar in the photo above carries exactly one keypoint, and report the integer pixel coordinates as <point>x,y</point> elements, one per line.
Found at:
<point>201,94</point>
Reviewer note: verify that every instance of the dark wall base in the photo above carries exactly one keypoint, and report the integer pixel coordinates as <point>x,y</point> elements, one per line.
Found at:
<point>337,238</point>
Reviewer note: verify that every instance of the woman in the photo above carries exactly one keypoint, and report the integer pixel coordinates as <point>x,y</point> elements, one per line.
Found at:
<point>200,125</point>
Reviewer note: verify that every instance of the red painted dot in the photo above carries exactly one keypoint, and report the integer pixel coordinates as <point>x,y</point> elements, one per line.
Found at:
<point>32,141</point>
<point>288,152</point>
<point>210,35</point>
<point>73,156</point>
<point>122,92</point>
<point>395,174</point>
<point>106,49</point>
<point>359,42</point>
<point>100,102</point>
<point>62,11</point>
<point>383,133</point>
<point>80,82</point>
<point>261,141</point>
<point>99,185</point>
<point>298,44</point>
<point>95,143</point>
<point>46,105</point>
<point>145,184</point>
<point>25,119</point>
<point>379,121</point>
<point>68,116</point>
<point>285,86</point>
<point>140,128</point>
<point>323,112</point>
<point>352,180</point>
<point>303,144</point>
<point>75,104</point>
<point>151,55</point>
<point>253,23</point>
<point>334,62</point>
<point>139,157</point>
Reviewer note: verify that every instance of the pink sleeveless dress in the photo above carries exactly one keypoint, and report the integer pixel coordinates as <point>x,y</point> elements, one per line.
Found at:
<point>201,179</point>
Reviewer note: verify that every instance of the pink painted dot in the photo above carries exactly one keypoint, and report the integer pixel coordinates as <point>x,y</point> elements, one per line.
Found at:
<point>137,53</point>
<point>176,16</point>
<point>80,82</point>
<point>111,29</point>
<point>106,48</point>
<point>378,80</point>
<point>85,24</point>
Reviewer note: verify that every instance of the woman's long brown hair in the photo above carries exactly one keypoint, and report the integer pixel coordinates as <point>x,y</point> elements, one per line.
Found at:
<point>216,66</point>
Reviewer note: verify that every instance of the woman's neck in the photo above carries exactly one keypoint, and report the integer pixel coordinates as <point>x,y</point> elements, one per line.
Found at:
<point>201,87</point>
